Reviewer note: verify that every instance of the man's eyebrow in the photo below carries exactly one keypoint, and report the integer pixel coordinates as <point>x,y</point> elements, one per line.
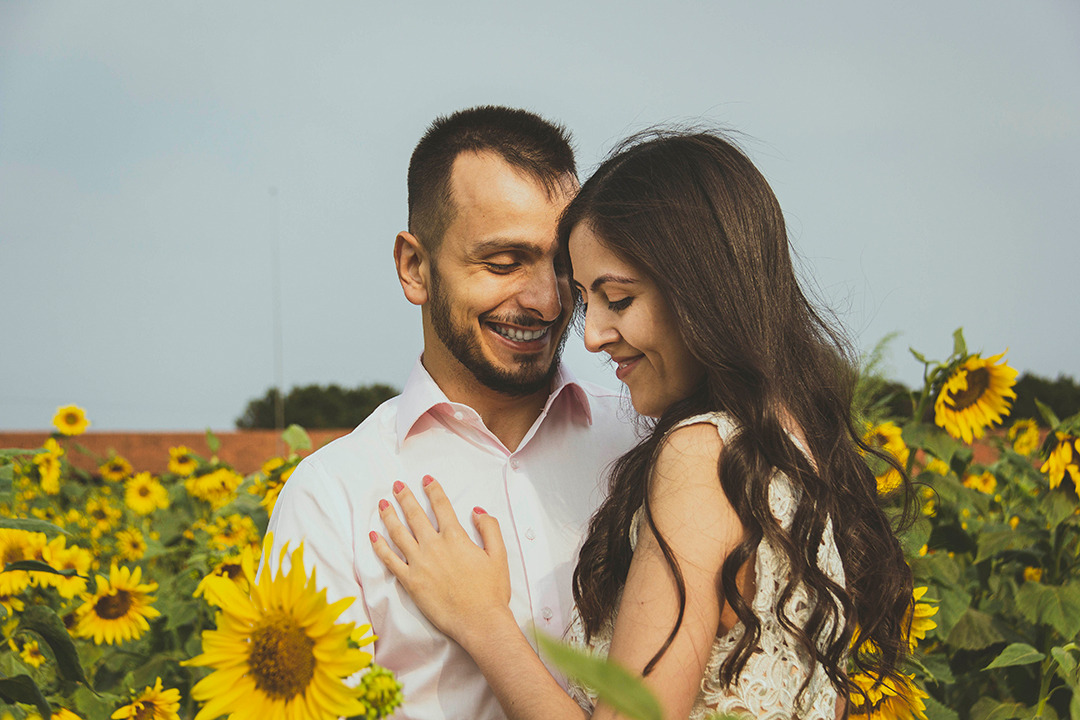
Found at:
<point>501,245</point>
<point>603,279</point>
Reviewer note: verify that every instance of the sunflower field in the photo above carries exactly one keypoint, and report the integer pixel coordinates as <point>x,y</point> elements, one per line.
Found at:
<point>128,595</point>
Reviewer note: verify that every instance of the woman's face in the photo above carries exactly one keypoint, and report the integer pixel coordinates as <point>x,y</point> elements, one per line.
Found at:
<point>626,317</point>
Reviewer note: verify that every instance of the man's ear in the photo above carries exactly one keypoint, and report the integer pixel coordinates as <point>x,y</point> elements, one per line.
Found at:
<point>413,267</point>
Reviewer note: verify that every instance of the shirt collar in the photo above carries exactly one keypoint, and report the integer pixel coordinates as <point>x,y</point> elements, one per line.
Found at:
<point>422,394</point>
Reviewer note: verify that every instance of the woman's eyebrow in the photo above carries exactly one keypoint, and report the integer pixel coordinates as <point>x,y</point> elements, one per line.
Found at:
<point>603,279</point>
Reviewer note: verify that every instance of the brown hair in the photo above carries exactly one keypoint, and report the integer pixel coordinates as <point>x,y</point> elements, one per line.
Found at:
<point>691,211</point>
<point>526,141</point>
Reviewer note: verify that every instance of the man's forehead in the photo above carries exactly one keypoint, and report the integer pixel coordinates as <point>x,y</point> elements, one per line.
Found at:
<point>479,177</point>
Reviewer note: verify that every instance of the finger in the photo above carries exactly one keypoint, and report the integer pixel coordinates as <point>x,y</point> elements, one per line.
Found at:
<point>414,514</point>
<point>444,511</point>
<point>396,529</point>
<point>488,527</point>
<point>397,567</point>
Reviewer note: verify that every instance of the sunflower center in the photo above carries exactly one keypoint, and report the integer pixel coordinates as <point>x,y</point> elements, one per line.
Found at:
<point>111,607</point>
<point>12,554</point>
<point>978,380</point>
<point>231,570</point>
<point>281,658</point>
<point>145,711</point>
<point>144,491</point>
<point>71,418</point>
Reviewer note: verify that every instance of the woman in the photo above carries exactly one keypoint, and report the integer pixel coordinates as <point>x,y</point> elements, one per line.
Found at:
<point>742,541</point>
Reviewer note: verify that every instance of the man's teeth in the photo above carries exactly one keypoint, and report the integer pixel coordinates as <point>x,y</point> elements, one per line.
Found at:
<point>519,335</point>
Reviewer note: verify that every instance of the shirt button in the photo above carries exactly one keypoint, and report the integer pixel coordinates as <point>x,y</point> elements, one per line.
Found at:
<point>546,613</point>
<point>515,464</point>
<point>458,415</point>
<point>530,534</point>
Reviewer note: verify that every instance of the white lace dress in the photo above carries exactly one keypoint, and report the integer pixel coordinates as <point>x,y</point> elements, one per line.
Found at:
<point>769,683</point>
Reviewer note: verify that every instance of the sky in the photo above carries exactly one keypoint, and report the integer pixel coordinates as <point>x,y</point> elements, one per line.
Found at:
<point>154,155</point>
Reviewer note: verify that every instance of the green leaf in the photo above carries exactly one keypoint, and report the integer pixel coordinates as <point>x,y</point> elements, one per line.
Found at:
<point>48,625</point>
<point>916,536</point>
<point>296,438</point>
<point>1057,506</point>
<point>22,688</point>
<point>990,709</point>
<point>1066,667</point>
<point>212,442</point>
<point>1048,414</point>
<point>959,346</point>
<point>993,542</point>
<point>936,665</point>
<point>918,355</point>
<point>1056,606</point>
<point>16,452</point>
<point>7,476</point>
<point>1074,706</point>
<point>614,685</point>
<point>38,566</point>
<point>974,630</point>
<point>32,525</point>
<point>1016,654</point>
<point>936,711</point>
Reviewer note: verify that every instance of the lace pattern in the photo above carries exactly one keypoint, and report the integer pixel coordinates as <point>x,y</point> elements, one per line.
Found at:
<point>770,681</point>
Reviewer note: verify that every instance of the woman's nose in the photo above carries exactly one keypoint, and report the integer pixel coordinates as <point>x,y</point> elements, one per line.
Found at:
<point>599,333</point>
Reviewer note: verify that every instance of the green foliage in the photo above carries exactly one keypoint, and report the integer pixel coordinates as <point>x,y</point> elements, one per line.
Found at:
<point>1062,395</point>
<point>317,406</point>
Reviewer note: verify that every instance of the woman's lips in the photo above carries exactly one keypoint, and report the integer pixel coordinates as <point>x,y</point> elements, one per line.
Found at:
<point>625,365</point>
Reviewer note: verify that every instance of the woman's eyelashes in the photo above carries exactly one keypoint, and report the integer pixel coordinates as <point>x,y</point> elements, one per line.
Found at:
<point>620,305</point>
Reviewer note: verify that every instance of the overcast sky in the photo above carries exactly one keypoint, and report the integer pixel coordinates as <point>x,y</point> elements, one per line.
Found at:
<point>926,156</point>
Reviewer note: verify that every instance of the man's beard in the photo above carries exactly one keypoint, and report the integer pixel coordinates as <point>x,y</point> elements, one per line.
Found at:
<point>463,345</point>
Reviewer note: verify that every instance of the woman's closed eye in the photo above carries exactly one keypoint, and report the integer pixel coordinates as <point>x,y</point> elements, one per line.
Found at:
<point>621,304</point>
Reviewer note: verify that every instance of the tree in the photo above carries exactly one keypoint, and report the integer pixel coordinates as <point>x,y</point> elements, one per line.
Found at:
<point>1061,395</point>
<point>316,406</point>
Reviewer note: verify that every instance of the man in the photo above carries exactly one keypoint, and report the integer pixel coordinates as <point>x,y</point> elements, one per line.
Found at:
<point>488,409</point>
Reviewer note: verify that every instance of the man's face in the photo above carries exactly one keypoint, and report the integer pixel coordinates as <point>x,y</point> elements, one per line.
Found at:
<point>499,302</point>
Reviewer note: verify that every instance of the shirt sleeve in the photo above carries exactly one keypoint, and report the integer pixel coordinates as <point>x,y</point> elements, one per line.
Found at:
<point>312,511</point>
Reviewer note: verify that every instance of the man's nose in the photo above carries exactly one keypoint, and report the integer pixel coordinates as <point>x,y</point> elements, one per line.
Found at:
<point>541,295</point>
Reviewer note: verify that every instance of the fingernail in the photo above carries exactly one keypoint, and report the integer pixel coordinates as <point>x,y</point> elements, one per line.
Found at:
<point>428,480</point>
<point>398,486</point>
<point>479,510</point>
<point>383,504</point>
<point>373,536</point>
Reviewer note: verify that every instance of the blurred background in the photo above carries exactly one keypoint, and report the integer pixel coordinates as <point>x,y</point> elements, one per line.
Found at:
<point>199,200</point>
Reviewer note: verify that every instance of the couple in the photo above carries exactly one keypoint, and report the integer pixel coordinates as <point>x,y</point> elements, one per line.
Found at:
<point>737,545</point>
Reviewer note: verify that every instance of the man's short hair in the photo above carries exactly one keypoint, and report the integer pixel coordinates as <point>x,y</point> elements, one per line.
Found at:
<point>539,148</point>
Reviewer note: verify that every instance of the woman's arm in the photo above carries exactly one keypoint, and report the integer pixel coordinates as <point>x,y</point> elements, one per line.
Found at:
<point>464,589</point>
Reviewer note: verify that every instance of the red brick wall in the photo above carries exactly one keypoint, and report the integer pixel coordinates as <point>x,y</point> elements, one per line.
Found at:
<point>245,450</point>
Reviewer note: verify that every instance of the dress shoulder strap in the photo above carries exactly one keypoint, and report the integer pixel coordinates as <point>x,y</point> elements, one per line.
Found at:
<point>725,425</point>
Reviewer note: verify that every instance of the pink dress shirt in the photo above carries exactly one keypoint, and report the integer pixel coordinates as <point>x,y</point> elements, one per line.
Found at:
<point>543,495</point>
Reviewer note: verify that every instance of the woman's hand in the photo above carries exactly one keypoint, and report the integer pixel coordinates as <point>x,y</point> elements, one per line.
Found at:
<point>455,583</point>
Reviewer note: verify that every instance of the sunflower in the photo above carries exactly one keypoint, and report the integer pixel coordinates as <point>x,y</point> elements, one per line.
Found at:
<point>144,494</point>
<point>15,546</point>
<point>278,651</point>
<point>59,557</point>
<point>153,703</point>
<point>239,568</point>
<point>380,692</point>
<point>1060,461</point>
<point>11,604</point>
<point>937,466</point>
<point>182,461</point>
<point>887,438</point>
<point>48,466</point>
<point>130,544</point>
<point>894,699</point>
<point>217,487</point>
<point>1025,436</point>
<point>919,615</point>
<point>71,420</point>
<point>985,483</point>
<point>100,516</point>
<point>974,396</point>
<point>115,468</point>
<point>119,610</point>
<point>233,531</point>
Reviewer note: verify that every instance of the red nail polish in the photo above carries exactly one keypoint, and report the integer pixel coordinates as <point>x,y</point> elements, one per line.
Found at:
<point>398,486</point>
<point>479,510</point>
<point>373,536</point>
<point>428,480</point>
<point>383,504</point>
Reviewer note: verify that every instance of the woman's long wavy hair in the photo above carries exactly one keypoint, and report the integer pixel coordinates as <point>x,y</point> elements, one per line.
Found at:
<point>691,211</point>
